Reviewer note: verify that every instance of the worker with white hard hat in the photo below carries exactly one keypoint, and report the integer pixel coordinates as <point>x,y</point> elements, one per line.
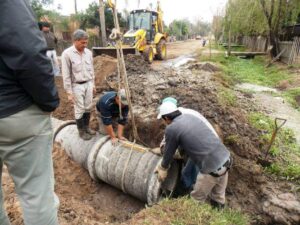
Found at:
<point>202,146</point>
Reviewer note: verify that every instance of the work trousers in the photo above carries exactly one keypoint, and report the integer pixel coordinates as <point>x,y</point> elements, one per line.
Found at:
<point>54,61</point>
<point>83,97</point>
<point>207,185</point>
<point>26,150</point>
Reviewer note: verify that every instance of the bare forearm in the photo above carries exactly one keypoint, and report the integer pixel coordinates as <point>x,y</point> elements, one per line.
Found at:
<point>110,131</point>
<point>120,130</point>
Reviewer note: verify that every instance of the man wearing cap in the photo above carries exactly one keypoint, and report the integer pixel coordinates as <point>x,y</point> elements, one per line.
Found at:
<point>78,77</point>
<point>201,145</point>
<point>190,170</point>
<point>108,108</point>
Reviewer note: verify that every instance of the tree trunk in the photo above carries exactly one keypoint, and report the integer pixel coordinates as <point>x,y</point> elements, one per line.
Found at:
<point>272,29</point>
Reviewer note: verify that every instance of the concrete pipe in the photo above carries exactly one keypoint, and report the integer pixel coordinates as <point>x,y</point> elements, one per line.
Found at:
<point>127,166</point>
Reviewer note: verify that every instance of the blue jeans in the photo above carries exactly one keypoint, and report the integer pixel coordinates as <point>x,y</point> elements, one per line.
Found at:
<point>189,174</point>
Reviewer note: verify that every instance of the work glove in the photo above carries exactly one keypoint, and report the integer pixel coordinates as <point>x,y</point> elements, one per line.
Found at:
<point>162,173</point>
<point>156,151</point>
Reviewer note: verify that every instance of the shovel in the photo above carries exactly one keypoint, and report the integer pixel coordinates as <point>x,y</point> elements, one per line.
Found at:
<point>279,122</point>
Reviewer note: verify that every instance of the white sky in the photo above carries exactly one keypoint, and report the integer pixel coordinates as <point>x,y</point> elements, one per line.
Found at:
<point>173,9</point>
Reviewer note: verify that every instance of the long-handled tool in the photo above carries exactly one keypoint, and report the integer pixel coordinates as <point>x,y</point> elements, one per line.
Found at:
<point>275,131</point>
<point>263,161</point>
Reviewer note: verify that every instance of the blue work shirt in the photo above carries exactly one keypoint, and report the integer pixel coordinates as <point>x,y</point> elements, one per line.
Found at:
<point>109,109</point>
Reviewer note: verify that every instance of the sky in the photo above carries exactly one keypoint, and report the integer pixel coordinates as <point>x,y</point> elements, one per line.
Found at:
<point>173,9</point>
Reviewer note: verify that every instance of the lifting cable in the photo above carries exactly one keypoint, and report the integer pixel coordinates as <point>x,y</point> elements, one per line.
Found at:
<point>122,73</point>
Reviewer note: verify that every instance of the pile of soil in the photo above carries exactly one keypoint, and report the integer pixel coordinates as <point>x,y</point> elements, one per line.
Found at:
<point>65,111</point>
<point>82,201</point>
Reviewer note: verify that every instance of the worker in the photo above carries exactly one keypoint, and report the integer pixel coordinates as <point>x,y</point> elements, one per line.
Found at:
<point>27,97</point>
<point>108,108</point>
<point>78,78</point>
<point>190,170</point>
<point>201,146</point>
<point>51,41</point>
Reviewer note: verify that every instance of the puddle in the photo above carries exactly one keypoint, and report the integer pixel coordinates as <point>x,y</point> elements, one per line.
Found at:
<point>255,88</point>
<point>177,62</point>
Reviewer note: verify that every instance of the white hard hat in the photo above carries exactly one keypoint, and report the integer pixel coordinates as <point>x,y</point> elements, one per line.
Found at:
<point>166,108</point>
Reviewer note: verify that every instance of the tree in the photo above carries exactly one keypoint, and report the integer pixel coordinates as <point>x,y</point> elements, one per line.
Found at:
<point>38,7</point>
<point>90,17</point>
<point>263,17</point>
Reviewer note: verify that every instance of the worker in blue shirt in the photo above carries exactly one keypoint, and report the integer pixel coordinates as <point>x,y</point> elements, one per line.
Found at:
<point>108,108</point>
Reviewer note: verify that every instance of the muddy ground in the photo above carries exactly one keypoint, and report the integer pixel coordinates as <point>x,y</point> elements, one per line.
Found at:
<point>195,85</point>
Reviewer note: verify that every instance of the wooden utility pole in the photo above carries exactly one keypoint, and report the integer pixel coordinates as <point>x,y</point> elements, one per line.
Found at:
<point>75,3</point>
<point>102,23</point>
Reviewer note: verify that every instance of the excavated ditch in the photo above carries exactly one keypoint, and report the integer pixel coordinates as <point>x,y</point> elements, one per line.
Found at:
<point>194,86</point>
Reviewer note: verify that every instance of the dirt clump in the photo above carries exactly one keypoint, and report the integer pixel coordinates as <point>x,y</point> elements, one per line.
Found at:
<point>283,85</point>
<point>209,67</point>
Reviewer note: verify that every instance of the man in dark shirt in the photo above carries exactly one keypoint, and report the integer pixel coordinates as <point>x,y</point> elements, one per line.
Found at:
<point>27,96</point>
<point>51,41</point>
<point>202,146</point>
<point>108,108</point>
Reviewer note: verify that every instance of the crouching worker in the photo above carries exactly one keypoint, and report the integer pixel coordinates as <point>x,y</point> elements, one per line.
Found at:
<point>108,108</point>
<point>202,147</point>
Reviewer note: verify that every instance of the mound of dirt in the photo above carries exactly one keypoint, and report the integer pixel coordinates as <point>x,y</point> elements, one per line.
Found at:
<point>65,111</point>
<point>209,67</point>
<point>104,66</point>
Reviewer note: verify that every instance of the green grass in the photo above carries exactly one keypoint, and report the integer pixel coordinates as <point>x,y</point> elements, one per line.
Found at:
<point>250,70</point>
<point>290,96</point>
<point>227,97</point>
<point>285,152</point>
<point>184,211</point>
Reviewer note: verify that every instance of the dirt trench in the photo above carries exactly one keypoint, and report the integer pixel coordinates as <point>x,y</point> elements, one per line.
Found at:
<point>86,202</point>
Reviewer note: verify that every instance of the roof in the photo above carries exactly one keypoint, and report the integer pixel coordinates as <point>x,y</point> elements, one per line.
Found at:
<point>143,10</point>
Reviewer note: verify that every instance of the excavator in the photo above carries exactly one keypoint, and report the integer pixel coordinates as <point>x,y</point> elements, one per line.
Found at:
<point>145,36</point>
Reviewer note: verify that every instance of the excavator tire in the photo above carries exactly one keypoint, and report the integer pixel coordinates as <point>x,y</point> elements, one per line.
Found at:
<point>148,54</point>
<point>161,48</point>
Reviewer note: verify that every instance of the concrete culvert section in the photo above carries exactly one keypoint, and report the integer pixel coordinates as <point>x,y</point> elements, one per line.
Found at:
<point>126,168</point>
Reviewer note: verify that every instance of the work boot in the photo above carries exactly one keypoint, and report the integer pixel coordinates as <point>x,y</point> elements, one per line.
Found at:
<point>217,205</point>
<point>82,133</point>
<point>87,117</point>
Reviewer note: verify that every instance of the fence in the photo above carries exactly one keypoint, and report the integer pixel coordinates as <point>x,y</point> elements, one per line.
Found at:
<point>291,54</point>
<point>258,44</point>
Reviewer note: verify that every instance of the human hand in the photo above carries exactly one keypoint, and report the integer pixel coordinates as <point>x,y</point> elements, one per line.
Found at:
<point>162,173</point>
<point>114,141</point>
<point>123,138</point>
<point>71,98</point>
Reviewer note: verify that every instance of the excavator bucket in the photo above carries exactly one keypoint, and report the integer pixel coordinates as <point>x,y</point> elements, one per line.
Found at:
<point>112,51</point>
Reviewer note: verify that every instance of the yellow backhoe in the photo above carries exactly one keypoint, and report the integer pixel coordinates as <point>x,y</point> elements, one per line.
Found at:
<point>145,35</point>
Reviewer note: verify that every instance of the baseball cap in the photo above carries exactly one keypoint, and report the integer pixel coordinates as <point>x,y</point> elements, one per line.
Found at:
<point>170,99</point>
<point>122,95</point>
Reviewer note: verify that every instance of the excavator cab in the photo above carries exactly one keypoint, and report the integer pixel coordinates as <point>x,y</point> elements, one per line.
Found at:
<point>145,36</point>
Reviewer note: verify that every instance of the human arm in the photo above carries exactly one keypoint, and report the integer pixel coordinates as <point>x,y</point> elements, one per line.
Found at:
<point>171,145</point>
